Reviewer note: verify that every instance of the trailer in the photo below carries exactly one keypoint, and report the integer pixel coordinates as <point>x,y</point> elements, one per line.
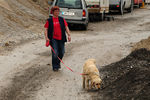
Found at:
<point>97,9</point>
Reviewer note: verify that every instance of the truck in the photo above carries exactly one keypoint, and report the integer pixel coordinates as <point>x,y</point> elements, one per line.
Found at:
<point>97,9</point>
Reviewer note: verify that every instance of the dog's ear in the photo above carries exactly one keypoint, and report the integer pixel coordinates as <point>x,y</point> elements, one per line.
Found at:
<point>93,84</point>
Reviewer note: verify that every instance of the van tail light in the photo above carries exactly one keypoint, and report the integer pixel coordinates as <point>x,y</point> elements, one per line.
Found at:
<point>117,6</point>
<point>84,13</point>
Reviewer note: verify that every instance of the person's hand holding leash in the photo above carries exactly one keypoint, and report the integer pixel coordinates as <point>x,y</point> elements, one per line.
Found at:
<point>47,43</point>
<point>69,38</point>
<point>47,39</point>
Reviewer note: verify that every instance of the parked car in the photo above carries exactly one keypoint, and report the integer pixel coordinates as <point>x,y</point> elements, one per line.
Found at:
<point>121,5</point>
<point>74,11</point>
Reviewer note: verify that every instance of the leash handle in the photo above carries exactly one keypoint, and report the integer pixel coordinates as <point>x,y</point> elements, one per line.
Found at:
<point>64,63</point>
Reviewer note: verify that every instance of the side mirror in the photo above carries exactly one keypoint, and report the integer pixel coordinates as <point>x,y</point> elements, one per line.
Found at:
<point>50,2</point>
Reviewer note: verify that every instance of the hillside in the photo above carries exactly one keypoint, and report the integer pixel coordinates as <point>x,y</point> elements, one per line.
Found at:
<point>21,20</point>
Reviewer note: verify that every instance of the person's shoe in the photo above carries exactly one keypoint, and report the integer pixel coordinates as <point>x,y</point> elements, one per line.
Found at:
<point>55,69</point>
<point>59,68</point>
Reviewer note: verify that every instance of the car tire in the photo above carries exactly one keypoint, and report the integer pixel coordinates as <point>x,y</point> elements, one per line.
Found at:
<point>84,26</point>
<point>131,7</point>
<point>91,17</point>
<point>121,10</point>
<point>102,16</point>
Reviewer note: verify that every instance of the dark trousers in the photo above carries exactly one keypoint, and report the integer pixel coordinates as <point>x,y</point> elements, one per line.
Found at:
<point>59,48</point>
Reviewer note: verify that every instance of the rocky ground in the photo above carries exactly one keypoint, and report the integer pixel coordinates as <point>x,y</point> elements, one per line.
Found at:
<point>25,63</point>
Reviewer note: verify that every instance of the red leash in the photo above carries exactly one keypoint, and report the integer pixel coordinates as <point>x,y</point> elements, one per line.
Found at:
<point>47,44</point>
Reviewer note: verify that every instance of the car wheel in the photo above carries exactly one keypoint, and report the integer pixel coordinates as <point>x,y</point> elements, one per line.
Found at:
<point>121,9</point>
<point>91,17</point>
<point>85,26</point>
<point>131,7</point>
<point>102,16</point>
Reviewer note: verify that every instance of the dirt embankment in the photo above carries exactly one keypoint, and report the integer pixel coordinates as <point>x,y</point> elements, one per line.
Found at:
<point>21,20</point>
<point>128,79</point>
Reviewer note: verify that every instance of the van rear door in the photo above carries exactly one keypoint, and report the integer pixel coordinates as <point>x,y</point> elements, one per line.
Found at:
<point>70,9</point>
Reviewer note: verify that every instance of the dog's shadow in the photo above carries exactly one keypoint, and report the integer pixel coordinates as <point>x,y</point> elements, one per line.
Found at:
<point>91,90</point>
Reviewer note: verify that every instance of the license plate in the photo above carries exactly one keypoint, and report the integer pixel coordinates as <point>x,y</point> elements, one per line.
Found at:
<point>68,13</point>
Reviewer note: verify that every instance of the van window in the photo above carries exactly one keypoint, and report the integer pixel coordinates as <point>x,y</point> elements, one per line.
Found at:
<point>74,4</point>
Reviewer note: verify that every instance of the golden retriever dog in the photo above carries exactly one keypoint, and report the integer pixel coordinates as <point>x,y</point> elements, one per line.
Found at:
<point>91,75</point>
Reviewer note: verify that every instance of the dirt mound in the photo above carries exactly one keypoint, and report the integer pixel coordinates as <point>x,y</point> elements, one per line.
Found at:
<point>128,79</point>
<point>142,44</point>
<point>22,20</point>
